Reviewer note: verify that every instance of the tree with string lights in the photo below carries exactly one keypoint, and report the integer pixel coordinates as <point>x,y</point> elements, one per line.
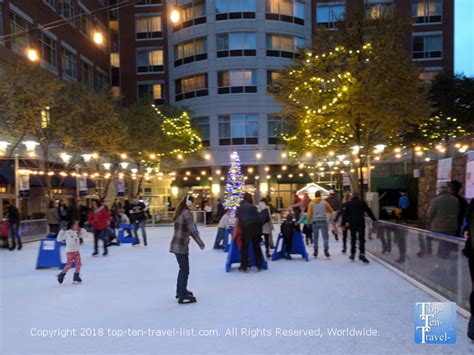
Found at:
<point>156,136</point>
<point>357,93</point>
<point>234,188</point>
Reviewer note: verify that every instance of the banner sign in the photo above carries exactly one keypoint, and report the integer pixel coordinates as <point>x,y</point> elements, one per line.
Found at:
<point>120,187</point>
<point>444,169</point>
<point>82,180</point>
<point>470,179</point>
<point>24,185</point>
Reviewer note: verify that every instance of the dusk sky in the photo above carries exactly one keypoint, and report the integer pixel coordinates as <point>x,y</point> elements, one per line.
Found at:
<point>464,37</point>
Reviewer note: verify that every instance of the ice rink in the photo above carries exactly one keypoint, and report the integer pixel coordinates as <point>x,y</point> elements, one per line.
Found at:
<point>126,305</point>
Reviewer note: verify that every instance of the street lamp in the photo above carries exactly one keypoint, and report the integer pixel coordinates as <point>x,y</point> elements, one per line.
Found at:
<point>30,147</point>
<point>175,15</point>
<point>3,147</point>
<point>98,38</point>
<point>32,54</point>
<point>87,157</point>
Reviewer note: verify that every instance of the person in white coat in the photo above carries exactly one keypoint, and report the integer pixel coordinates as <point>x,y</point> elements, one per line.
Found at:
<point>267,228</point>
<point>72,236</point>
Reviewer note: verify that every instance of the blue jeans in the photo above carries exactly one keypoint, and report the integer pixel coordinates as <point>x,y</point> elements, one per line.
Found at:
<point>14,235</point>
<point>182,284</point>
<point>324,230</point>
<point>220,238</point>
<point>141,225</point>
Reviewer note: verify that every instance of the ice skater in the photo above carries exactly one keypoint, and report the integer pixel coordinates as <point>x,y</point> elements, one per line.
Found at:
<point>72,236</point>
<point>184,227</point>
<point>287,228</point>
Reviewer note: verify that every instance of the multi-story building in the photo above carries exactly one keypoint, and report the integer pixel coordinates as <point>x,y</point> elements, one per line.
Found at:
<point>216,60</point>
<point>138,38</point>
<point>224,53</point>
<point>65,36</point>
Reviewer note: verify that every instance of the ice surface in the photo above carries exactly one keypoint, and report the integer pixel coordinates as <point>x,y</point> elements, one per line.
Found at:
<point>134,288</point>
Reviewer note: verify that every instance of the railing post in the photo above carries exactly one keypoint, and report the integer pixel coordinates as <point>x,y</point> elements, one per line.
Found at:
<point>459,257</point>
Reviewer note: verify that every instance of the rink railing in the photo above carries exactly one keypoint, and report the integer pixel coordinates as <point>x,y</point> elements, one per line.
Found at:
<point>165,218</point>
<point>33,229</point>
<point>435,260</point>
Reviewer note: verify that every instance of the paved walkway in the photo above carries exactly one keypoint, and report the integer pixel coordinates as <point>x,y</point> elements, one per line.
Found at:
<point>133,289</point>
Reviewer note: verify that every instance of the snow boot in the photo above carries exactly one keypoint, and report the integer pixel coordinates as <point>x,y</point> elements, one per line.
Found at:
<point>352,257</point>
<point>326,253</point>
<point>20,245</point>
<point>105,252</point>
<point>363,259</point>
<point>470,329</point>
<point>76,277</point>
<point>187,299</point>
<point>61,277</point>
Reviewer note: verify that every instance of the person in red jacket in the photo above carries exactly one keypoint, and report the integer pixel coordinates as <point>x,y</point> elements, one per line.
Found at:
<point>99,218</point>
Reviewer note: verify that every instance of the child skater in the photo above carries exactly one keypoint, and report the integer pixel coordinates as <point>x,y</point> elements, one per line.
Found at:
<point>184,227</point>
<point>72,236</point>
<point>221,229</point>
<point>287,228</point>
<point>307,230</point>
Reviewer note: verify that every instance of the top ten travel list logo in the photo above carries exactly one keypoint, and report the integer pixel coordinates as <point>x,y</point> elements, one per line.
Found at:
<point>435,323</point>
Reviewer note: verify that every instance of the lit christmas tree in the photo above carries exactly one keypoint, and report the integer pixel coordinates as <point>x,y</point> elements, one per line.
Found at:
<point>234,188</point>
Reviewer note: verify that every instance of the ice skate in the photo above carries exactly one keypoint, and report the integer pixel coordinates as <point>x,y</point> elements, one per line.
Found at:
<point>187,299</point>
<point>76,278</point>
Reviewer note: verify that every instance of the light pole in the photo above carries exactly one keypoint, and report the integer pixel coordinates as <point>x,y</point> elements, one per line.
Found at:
<point>17,182</point>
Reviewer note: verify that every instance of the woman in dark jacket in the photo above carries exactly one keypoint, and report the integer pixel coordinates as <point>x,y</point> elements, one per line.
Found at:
<point>184,227</point>
<point>251,229</point>
<point>469,252</point>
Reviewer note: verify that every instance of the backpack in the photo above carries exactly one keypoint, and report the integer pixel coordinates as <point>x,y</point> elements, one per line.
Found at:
<point>264,216</point>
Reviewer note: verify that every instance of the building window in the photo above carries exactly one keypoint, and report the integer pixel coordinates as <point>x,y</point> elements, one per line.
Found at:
<point>69,63</point>
<point>238,129</point>
<point>237,81</point>
<point>427,46</point>
<point>151,91</point>
<point>428,74</point>
<point>115,60</point>
<point>201,124</point>
<point>49,52</point>
<point>84,22</point>
<point>236,44</point>
<point>286,10</point>
<point>101,82</point>
<point>191,86</point>
<point>147,2</point>
<point>283,46</point>
<point>67,9</point>
<point>192,14</point>
<point>87,75</point>
<point>149,60</point>
<point>51,3</point>
<point>21,26</point>
<point>375,9</point>
<point>190,51</point>
<point>277,127</point>
<point>328,15</point>
<point>148,27</point>
<point>235,9</point>
<point>426,11</point>
<point>272,75</point>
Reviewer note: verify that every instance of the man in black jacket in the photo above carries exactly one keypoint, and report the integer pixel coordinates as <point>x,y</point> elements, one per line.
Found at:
<point>354,215</point>
<point>14,223</point>
<point>138,212</point>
